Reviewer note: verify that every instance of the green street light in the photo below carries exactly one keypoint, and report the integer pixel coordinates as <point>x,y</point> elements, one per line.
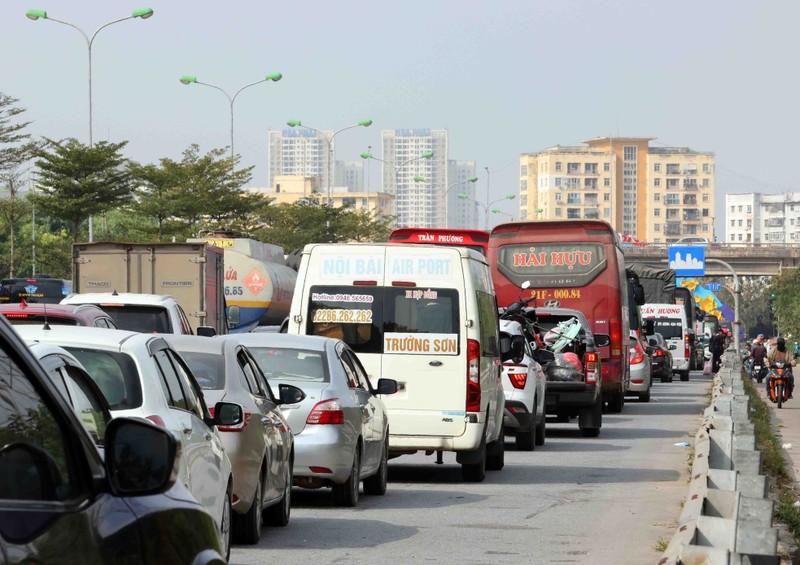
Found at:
<point>419,179</point>
<point>191,79</point>
<point>139,13</point>
<point>486,207</point>
<point>444,197</point>
<point>294,123</point>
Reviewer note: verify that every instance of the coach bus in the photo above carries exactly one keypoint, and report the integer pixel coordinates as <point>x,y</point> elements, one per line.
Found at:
<point>571,264</point>
<point>473,239</point>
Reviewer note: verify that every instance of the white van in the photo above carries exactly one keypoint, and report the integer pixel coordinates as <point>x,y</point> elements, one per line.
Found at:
<point>670,321</point>
<point>425,316</point>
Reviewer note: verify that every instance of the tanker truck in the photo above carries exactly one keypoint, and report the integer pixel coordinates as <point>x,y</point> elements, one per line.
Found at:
<point>258,283</point>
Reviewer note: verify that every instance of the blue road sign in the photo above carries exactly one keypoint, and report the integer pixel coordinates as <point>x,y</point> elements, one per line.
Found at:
<point>713,287</point>
<point>687,260</point>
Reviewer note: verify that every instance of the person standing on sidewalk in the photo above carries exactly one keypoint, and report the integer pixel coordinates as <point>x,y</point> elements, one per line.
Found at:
<point>717,348</point>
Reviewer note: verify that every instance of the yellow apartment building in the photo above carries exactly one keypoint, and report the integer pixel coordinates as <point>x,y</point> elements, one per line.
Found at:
<point>655,194</point>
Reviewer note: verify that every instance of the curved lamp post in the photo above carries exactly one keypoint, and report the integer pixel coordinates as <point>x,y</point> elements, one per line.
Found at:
<point>470,179</point>
<point>398,167</point>
<point>486,207</point>
<point>140,13</point>
<point>190,79</point>
<point>498,211</point>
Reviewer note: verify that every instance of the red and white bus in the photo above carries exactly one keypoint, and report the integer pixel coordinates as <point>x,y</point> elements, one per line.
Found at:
<point>571,264</point>
<point>473,239</point>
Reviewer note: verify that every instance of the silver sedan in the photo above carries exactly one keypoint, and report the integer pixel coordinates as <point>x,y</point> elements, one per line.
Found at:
<point>340,428</point>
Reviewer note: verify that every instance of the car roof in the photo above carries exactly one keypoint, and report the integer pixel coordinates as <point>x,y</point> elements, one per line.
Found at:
<point>74,311</point>
<point>200,344</point>
<point>78,336</point>
<point>42,350</point>
<point>311,342</point>
<point>125,298</point>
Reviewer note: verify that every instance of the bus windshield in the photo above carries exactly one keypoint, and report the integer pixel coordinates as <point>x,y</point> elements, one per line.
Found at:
<point>477,240</point>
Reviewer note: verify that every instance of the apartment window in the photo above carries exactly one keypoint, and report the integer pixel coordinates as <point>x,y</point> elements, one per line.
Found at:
<point>573,168</point>
<point>705,183</point>
<point>656,227</point>
<point>606,212</point>
<point>657,182</point>
<point>733,223</point>
<point>706,198</point>
<point>740,209</point>
<point>558,166</point>
<point>606,167</point>
<point>740,237</point>
<point>590,168</point>
<point>629,153</point>
<point>523,185</point>
<point>673,169</point>
<point>740,223</point>
<point>657,198</point>
<point>607,197</point>
<point>573,213</point>
<point>657,212</point>
<point>705,212</point>
<point>750,209</point>
<point>704,227</point>
<point>706,167</point>
<point>523,170</point>
<point>657,167</point>
<point>606,182</point>
<point>558,212</point>
<point>558,197</point>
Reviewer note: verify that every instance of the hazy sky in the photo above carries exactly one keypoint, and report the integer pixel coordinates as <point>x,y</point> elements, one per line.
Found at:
<point>504,77</point>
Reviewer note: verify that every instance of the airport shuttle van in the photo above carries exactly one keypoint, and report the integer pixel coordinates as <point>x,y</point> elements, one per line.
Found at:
<point>425,316</point>
<point>670,321</point>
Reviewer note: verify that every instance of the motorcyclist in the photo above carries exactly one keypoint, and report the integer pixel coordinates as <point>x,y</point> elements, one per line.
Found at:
<point>758,353</point>
<point>780,353</point>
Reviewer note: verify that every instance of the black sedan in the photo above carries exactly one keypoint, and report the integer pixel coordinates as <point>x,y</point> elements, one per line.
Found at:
<point>661,356</point>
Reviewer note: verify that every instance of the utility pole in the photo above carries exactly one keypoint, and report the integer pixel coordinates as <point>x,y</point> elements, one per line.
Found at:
<point>486,219</point>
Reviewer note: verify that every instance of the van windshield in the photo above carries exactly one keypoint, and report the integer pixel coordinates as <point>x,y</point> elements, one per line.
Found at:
<point>378,319</point>
<point>669,329</point>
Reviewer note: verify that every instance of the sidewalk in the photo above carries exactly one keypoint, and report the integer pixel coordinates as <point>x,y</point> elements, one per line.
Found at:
<point>787,422</point>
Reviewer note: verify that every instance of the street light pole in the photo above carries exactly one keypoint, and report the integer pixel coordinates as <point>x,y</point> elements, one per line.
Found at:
<point>397,168</point>
<point>141,13</point>
<point>465,196</point>
<point>487,190</point>
<point>470,179</point>
<point>329,141</point>
<point>189,79</point>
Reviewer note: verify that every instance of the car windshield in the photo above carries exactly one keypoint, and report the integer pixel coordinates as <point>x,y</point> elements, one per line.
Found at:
<point>208,369</point>
<point>291,364</point>
<point>116,376</point>
<point>143,319</point>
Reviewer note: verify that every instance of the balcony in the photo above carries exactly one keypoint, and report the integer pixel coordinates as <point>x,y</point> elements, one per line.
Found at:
<point>690,199</point>
<point>690,171</point>
<point>690,184</point>
<point>691,215</point>
<point>672,228</point>
<point>673,169</point>
<point>591,214</point>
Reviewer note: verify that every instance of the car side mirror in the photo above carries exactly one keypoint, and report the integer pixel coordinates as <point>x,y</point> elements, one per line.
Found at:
<point>517,348</point>
<point>228,414</point>
<point>289,394</point>
<point>386,386</point>
<point>649,327</point>
<point>638,293</point>
<point>505,346</point>
<point>140,457</point>
<point>206,331</point>
<point>602,340</point>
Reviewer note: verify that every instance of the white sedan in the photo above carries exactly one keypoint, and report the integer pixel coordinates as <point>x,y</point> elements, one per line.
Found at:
<point>140,375</point>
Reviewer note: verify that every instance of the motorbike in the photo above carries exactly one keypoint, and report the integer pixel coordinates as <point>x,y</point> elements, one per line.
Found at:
<point>759,372</point>
<point>779,375</point>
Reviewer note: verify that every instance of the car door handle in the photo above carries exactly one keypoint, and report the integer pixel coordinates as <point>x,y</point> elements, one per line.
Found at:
<point>208,436</point>
<point>187,431</point>
<point>267,421</point>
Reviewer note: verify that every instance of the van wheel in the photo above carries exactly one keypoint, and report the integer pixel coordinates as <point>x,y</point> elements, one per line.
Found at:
<point>475,472</point>
<point>684,375</point>
<point>496,453</point>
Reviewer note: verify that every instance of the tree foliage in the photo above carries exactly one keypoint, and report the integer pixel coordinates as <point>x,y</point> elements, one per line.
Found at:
<point>78,181</point>
<point>786,288</point>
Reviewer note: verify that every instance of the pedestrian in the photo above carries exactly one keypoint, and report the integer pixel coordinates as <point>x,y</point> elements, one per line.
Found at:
<point>717,348</point>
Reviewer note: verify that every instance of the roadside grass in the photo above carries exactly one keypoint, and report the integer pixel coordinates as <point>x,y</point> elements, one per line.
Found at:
<point>774,465</point>
<point>661,545</point>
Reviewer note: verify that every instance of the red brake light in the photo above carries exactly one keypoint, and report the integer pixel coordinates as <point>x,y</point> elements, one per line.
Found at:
<point>404,283</point>
<point>616,337</point>
<point>686,346</point>
<point>9,315</point>
<point>517,374</point>
<point>237,428</point>
<point>473,376</point>
<point>326,412</point>
<point>659,353</point>
<point>590,360</point>
<point>638,354</point>
<point>158,421</point>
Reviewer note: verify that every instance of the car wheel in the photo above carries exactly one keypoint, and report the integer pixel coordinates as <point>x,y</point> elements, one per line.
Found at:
<point>346,494</point>
<point>496,453</point>
<point>617,402</point>
<point>644,396</point>
<point>666,379</point>
<point>247,527</point>
<point>225,524</point>
<point>684,375</point>
<point>590,420</point>
<point>540,432</point>
<point>525,439</point>
<point>475,472</point>
<point>278,514</point>
<point>376,484</point>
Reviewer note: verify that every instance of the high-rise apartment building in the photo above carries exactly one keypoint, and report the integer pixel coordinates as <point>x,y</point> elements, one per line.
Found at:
<point>349,174</point>
<point>655,194</point>
<point>461,213</point>
<point>762,218</point>
<point>418,184</point>
<point>299,152</point>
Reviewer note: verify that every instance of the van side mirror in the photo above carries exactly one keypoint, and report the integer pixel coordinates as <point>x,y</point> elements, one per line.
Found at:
<point>649,327</point>
<point>638,293</point>
<point>234,316</point>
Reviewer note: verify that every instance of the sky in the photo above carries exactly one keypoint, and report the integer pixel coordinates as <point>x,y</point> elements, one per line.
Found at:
<point>504,77</point>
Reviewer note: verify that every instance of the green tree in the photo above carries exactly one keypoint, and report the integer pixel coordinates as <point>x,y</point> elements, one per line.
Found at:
<point>786,289</point>
<point>78,181</point>
<point>16,149</point>
<point>361,226</point>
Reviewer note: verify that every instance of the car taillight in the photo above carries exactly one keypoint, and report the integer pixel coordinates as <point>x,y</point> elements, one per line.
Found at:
<point>236,428</point>
<point>590,362</point>
<point>638,354</point>
<point>616,337</point>
<point>326,412</point>
<point>686,346</point>
<point>517,374</point>
<point>158,421</point>
<point>9,315</point>
<point>659,353</point>
<point>473,376</point>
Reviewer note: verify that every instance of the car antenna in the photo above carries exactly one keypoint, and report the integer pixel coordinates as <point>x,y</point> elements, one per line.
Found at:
<point>115,293</point>
<point>46,326</point>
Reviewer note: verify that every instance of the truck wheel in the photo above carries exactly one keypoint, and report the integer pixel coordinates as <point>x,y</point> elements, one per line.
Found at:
<point>684,375</point>
<point>616,402</point>
<point>475,472</point>
<point>525,439</point>
<point>590,419</point>
<point>496,453</point>
<point>540,432</point>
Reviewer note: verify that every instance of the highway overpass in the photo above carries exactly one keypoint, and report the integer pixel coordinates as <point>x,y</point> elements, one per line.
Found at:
<point>746,260</point>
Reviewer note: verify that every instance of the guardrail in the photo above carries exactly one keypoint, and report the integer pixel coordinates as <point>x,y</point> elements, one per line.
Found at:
<point>727,516</point>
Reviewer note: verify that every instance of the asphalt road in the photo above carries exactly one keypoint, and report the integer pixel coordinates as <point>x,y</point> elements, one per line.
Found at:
<point>573,500</point>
